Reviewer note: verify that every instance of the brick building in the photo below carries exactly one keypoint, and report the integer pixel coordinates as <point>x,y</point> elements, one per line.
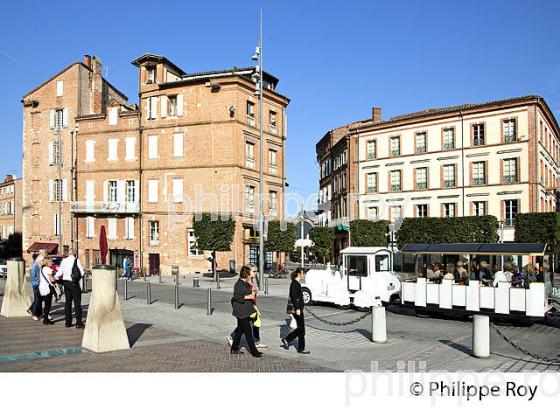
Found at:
<point>10,207</point>
<point>190,145</point>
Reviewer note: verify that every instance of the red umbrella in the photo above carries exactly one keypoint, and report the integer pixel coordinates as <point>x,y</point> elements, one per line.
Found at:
<point>103,246</point>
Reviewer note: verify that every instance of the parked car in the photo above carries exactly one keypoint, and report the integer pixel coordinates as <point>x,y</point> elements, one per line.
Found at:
<point>3,268</point>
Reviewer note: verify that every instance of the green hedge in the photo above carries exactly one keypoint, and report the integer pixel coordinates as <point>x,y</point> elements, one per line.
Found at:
<point>468,229</point>
<point>538,227</point>
<point>369,233</point>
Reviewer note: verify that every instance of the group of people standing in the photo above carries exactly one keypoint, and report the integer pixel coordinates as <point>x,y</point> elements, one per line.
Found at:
<point>245,310</point>
<point>45,283</point>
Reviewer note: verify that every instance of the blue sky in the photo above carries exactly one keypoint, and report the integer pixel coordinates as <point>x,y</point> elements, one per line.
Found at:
<point>335,59</point>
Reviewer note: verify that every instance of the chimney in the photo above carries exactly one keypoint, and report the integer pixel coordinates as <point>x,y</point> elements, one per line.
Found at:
<point>376,114</point>
<point>96,100</point>
<point>9,178</point>
<point>87,60</point>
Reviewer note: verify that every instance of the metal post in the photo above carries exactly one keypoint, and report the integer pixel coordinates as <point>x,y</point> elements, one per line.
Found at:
<point>209,308</point>
<point>160,281</point>
<point>149,293</point>
<point>177,279</point>
<point>301,230</point>
<point>176,296</point>
<point>126,289</point>
<point>266,285</point>
<point>217,280</point>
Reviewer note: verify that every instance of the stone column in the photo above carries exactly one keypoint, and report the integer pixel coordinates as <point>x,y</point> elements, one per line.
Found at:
<point>16,293</point>
<point>481,336</point>
<point>105,330</point>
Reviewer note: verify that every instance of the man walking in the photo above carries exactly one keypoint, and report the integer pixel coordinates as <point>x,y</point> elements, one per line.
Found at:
<point>71,271</point>
<point>36,308</point>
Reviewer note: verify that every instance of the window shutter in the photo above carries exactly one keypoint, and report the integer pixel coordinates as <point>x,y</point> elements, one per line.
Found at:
<point>179,105</point>
<point>64,190</point>
<point>51,153</point>
<point>178,145</point>
<point>136,191</point>
<point>149,107</point>
<point>65,118</point>
<point>52,119</point>
<point>163,106</point>
<point>106,191</point>
<point>51,191</point>
<point>90,187</point>
<point>154,107</point>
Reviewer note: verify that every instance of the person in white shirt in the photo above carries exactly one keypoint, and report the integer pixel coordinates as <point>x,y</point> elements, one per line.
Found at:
<point>502,275</point>
<point>72,290</point>
<point>46,281</point>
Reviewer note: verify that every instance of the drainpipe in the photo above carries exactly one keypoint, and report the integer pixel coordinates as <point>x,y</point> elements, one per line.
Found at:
<point>140,182</point>
<point>462,161</point>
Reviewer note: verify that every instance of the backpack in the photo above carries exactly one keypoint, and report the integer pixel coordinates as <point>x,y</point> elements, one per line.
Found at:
<point>76,274</point>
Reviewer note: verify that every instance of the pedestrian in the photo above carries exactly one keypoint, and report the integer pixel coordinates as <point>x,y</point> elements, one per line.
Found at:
<point>46,289</point>
<point>36,310</point>
<point>71,272</point>
<point>296,300</point>
<point>243,306</point>
<point>256,316</point>
<point>127,268</point>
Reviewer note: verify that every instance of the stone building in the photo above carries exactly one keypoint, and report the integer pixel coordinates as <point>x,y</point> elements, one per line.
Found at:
<point>10,206</point>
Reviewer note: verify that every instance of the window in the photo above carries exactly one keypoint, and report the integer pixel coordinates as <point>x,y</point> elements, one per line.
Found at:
<point>373,213</point>
<point>448,210</point>
<point>177,190</point>
<point>54,153</point>
<point>449,138</point>
<point>59,118</point>
<point>371,182</point>
<point>112,228</point>
<point>130,143</point>
<point>479,173</point>
<point>478,134</point>
<point>112,191</point>
<point>371,149</point>
<point>59,88</point>
<point>172,105</point>
<point>129,228</point>
<point>395,181</point>
<point>479,208</point>
<point>152,74</point>
<point>151,107</point>
<point>154,233</point>
<point>396,212</point>
<point>382,263</point>
<point>177,145</point>
<point>90,151</point>
<point>113,143</point>
<point>272,120</point>
<point>510,170</point>
<point>90,227</point>
<point>250,113</point>
<point>57,224</point>
<point>449,176</point>
<point>113,116</point>
<point>510,130</point>
<point>249,198</point>
<point>422,178</point>
<point>273,200</point>
<point>421,140</point>
<point>193,244</point>
<point>249,155</point>
<point>153,190</point>
<point>422,210</point>
<point>58,190</point>
<point>510,211</point>
<point>395,146</point>
<point>131,191</point>
<point>153,147</point>
<point>272,162</point>
<point>357,265</point>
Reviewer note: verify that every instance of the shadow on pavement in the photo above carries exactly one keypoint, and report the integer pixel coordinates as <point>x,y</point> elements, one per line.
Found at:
<point>457,346</point>
<point>136,331</point>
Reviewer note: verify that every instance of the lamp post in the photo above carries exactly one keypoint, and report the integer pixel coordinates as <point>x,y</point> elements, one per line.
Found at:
<point>502,223</point>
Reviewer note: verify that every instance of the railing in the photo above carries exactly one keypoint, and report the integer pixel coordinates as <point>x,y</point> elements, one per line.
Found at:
<point>395,188</point>
<point>421,185</point>
<point>339,221</point>
<point>449,183</point>
<point>509,221</point>
<point>420,149</point>
<point>371,189</point>
<point>510,138</point>
<point>510,178</point>
<point>448,145</point>
<point>371,155</point>
<point>395,153</point>
<point>106,207</point>
<point>479,181</point>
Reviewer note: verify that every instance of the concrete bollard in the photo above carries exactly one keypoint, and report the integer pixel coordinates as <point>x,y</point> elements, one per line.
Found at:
<point>105,330</point>
<point>126,289</point>
<point>149,293</point>
<point>378,324</point>
<point>209,307</point>
<point>176,296</point>
<point>16,292</point>
<point>196,282</point>
<point>481,336</point>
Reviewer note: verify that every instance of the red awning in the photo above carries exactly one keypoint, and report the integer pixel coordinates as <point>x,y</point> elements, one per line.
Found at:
<point>49,247</point>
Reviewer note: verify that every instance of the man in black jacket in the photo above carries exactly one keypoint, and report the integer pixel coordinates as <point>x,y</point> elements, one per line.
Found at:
<point>296,297</point>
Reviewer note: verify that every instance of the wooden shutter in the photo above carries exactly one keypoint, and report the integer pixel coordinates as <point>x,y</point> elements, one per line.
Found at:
<point>136,190</point>
<point>51,153</point>
<point>106,191</point>
<point>163,106</point>
<point>64,190</point>
<point>51,191</point>
<point>179,104</point>
<point>53,113</point>
<point>65,117</point>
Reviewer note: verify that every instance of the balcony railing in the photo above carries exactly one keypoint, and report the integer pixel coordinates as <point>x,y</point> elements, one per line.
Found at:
<point>395,153</point>
<point>371,155</point>
<point>449,183</point>
<point>510,178</point>
<point>371,189</point>
<point>421,185</point>
<point>345,221</point>
<point>510,138</point>
<point>420,149</point>
<point>448,145</point>
<point>105,207</point>
<point>395,188</point>
<point>479,181</point>
<point>509,221</point>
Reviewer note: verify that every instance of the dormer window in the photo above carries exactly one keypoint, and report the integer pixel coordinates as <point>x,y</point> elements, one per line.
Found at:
<point>152,71</point>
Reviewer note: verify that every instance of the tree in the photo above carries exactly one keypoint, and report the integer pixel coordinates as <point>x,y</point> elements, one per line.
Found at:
<point>279,240</point>
<point>213,234</point>
<point>323,238</point>
<point>369,233</point>
<point>538,227</point>
<point>11,247</point>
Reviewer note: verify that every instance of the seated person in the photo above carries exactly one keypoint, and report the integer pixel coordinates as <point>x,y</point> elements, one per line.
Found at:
<point>484,274</point>
<point>530,274</point>
<point>502,275</point>
<point>517,277</point>
<point>460,274</point>
<point>436,274</point>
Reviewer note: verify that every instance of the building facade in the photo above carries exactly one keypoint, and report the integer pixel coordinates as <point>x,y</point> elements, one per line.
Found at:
<point>10,207</point>
<point>189,146</point>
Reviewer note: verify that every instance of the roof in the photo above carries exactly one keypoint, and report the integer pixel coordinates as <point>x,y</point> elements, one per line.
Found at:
<point>431,112</point>
<point>363,250</point>
<point>156,57</point>
<point>48,246</point>
<point>533,249</point>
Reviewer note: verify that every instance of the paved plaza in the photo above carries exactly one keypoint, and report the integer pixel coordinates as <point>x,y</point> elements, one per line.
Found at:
<point>165,339</point>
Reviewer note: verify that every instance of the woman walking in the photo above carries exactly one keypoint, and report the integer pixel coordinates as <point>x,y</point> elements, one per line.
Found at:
<point>296,299</point>
<point>46,290</point>
<point>242,303</point>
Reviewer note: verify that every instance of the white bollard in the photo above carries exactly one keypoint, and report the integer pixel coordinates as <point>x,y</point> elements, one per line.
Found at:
<point>16,292</point>
<point>481,336</point>
<point>105,330</point>
<point>379,324</point>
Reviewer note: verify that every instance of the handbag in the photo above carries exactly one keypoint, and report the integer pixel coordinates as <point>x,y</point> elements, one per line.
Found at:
<point>290,307</point>
<point>51,287</point>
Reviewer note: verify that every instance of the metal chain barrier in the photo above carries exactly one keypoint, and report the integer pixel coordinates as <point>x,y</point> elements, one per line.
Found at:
<point>524,351</point>
<point>328,322</point>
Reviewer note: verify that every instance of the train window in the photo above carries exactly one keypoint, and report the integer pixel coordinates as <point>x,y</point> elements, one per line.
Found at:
<point>357,265</point>
<point>381,263</point>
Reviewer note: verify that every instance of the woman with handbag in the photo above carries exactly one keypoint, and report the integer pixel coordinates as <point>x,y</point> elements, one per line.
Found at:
<point>242,303</point>
<point>46,289</point>
<point>295,307</point>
